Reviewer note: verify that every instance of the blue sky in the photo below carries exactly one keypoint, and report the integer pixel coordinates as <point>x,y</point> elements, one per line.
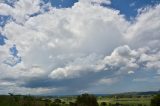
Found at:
<point>129,7</point>
<point>126,7</point>
<point>58,47</point>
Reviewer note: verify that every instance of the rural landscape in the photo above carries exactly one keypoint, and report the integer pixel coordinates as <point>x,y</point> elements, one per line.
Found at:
<point>123,99</point>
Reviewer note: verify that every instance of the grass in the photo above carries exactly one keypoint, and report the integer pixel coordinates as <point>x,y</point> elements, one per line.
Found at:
<point>41,101</point>
<point>145,101</point>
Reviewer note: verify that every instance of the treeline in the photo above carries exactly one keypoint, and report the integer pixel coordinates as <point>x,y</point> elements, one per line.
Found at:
<point>81,100</point>
<point>18,100</point>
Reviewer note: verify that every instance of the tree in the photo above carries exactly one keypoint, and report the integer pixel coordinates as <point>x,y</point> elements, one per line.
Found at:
<point>103,104</point>
<point>155,101</point>
<point>57,101</point>
<point>72,104</point>
<point>86,100</point>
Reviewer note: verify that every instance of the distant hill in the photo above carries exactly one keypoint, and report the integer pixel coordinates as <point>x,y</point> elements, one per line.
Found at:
<point>141,93</point>
<point>131,93</point>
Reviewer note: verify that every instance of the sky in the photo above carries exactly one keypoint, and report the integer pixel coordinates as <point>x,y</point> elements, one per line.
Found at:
<point>68,47</point>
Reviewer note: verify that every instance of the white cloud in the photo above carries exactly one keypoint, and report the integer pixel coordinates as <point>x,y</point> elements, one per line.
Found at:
<point>123,59</point>
<point>5,9</point>
<point>78,67</point>
<point>20,72</point>
<point>140,79</point>
<point>132,4</point>
<point>21,10</point>
<point>50,34</point>
<point>107,81</point>
<point>145,30</point>
<point>5,83</point>
<point>26,91</point>
<point>97,1</point>
<point>70,42</point>
<point>130,72</point>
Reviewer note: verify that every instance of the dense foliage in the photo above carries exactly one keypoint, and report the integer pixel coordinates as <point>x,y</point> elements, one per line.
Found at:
<point>155,101</point>
<point>86,100</point>
<point>17,100</point>
<point>81,100</point>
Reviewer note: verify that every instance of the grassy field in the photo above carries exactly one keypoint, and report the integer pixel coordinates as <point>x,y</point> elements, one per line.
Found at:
<point>19,100</point>
<point>145,101</point>
<point>133,101</point>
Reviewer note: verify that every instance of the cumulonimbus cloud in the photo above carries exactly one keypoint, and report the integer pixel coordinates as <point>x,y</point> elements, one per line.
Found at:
<point>70,43</point>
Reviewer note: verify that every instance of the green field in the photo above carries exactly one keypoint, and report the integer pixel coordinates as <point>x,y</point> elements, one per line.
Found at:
<point>114,100</point>
<point>145,101</point>
<point>135,101</point>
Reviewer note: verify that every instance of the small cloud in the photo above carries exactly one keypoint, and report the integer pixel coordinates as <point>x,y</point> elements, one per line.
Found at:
<point>140,79</point>
<point>132,4</point>
<point>130,72</point>
<point>83,91</point>
<point>107,81</point>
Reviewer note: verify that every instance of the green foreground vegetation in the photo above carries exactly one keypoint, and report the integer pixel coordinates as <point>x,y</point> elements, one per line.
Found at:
<point>81,100</point>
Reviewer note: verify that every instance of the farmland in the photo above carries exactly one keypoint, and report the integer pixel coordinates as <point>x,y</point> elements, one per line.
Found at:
<point>75,100</point>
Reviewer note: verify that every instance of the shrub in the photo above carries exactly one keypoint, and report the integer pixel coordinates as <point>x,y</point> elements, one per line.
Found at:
<point>86,100</point>
<point>155,101</point>
<point>103,104</point>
